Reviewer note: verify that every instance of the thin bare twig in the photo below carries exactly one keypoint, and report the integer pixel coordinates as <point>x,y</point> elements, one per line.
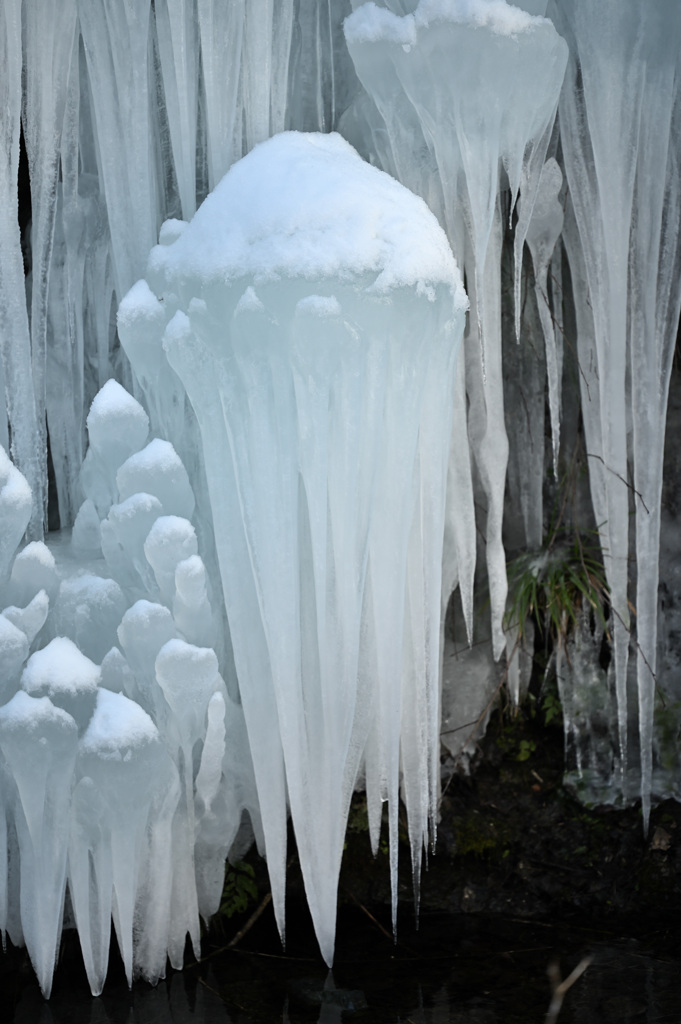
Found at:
<point>259,910</point>
<point>559,987</point>
<point>371,917</point>
<point>592,455</point>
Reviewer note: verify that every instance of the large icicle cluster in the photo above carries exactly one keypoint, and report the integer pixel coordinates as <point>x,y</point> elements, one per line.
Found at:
<point>466,97</point>
<point>625,190</point>
<point>110,686</point>
<point>439,114</point>
<point>312,309</point>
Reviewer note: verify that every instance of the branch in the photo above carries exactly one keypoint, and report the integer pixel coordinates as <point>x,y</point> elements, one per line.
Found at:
<point>592,455</point>
<point>559,988</point>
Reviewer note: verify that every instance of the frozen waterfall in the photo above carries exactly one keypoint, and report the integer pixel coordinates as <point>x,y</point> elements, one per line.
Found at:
<point>228,372</point>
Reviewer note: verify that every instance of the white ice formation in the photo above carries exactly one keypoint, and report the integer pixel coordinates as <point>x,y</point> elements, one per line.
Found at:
<point>253,537</point>
<point>312,310</point>
<point>108,688</point>
<point>466,96</point>
<point>624,184</point>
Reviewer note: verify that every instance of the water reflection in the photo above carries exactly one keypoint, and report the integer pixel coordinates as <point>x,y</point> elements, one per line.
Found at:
<point>172,1002</point>
<point>454,971</point>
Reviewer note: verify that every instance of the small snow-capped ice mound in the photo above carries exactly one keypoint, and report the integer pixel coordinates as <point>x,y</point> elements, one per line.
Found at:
<point>192,609</point>
<point>16,502</point>
<point>171,540</point>
<point>116,674</point>
<point>118,727</point>
<point>117,427</point>
<point>143,631</point>
<point>85,536</point>
<point>123,534</point>
<point>117,424</point>
<point>189,677</point>
<point>32,617</point>
<point>62,672</point>
<point>13,654</point>
<point>158,470</point>
<point>88,610</point>
<point>34,569</point>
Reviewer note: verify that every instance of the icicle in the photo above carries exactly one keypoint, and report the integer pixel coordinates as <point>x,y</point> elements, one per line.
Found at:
<point>322,80</point>
<point>603,217</point>
<point>39,743</point>
<point>524,364</point>
<point>264,69</point>
<point>487,430</point>
<point>542,234</point>
<point>620,177</point>
<point>28,450</point>
<point>49,38</point>
<point>487,118</point>
<point>177,31</point>
<point>116,40</point>
<point>654,305</point>
<point>221,28</point>
<point>459,549</point>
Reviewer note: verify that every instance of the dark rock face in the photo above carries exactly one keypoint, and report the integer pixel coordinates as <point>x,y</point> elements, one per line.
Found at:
<point>513,841</point>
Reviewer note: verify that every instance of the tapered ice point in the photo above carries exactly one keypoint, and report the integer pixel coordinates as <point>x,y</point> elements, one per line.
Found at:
<point>38,742</point>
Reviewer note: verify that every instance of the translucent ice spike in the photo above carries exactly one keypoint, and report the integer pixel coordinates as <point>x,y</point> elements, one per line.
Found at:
<point>15,344</point>
<point>623,178</point>
<point>39,743</point>
<point>49,42</point>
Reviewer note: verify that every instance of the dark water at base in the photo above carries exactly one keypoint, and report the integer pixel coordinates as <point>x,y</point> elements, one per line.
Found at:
<point>459,970</point>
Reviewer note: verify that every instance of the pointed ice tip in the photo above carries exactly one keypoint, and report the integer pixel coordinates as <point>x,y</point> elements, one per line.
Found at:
<point>45,982</point>
<point>327,949</point>
<point>645,814</point>
<point>325,931</point>
<point>96,986</point>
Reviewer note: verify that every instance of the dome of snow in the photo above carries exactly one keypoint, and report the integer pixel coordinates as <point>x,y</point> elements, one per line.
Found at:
<point>306,205</point>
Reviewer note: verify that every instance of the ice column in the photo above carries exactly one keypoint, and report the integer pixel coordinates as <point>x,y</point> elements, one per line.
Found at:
<point>17,398</point>
<point>49,37</point>
<point>542,234</point>
<point>468,94</point>
<point>116,42</point>
<point>621,137</point>
<point>313,314</point>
